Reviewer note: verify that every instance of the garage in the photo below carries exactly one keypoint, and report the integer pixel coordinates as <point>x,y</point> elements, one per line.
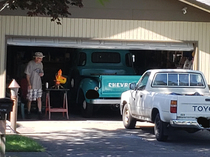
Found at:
<point>61,54</point>
<point>167,35</point>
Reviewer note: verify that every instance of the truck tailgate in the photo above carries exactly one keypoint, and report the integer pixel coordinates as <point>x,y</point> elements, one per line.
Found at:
<point>193,106</point>
<point>112,86</point>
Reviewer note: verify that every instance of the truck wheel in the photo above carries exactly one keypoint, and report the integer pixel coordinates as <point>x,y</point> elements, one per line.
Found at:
<point>87,109</point>
<point>159,129</point>
<point>128,121</point>
<point>74,83</point>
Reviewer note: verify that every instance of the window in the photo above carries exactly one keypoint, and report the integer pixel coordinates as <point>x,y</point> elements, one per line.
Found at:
<point>128,59</point>
<point>160,79</point>
<point>82,59</point>
<point>143,81</point>
<point>173,79</point>
<point>178,79</point>
<point>196,80</point>
<point>184,79</point>
<point>105,57</point>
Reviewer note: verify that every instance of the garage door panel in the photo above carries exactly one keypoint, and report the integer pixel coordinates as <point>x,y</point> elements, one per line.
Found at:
<point>105,44</point>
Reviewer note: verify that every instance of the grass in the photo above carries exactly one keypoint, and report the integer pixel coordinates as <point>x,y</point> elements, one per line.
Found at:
<point>19,143</point>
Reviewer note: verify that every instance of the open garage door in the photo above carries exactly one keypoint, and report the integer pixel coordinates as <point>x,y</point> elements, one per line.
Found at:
<point>60,53</point>
<point>100,44</point>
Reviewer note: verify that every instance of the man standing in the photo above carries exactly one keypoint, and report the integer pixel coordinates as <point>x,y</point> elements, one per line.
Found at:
<point>34,72</point>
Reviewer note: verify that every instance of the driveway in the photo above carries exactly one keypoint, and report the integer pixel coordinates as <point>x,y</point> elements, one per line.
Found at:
<point>104,137</point>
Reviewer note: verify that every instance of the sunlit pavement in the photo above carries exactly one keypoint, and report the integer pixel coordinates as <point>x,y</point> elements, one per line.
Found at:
<point>37,127</point>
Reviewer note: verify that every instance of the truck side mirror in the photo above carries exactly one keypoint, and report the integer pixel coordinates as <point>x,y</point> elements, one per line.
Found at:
<point>132,86</point>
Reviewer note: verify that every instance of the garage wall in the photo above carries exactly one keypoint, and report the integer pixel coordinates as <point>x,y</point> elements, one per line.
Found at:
<point>107,30</point>
<point>152,10</point>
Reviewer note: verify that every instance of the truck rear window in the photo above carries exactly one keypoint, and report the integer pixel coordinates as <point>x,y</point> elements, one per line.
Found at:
<point>178,79</point>
<point>105,57</point>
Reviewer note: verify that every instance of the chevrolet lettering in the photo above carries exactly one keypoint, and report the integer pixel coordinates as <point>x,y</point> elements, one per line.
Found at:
<point>118,84</point>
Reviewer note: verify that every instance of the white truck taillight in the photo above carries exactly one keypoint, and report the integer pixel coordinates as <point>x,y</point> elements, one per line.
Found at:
<point>173,106</point>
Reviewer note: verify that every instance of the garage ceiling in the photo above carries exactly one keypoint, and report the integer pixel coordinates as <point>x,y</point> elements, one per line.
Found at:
<point>102,44</point>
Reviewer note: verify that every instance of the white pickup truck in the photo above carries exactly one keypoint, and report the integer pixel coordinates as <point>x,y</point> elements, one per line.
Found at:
<point>169,98</point>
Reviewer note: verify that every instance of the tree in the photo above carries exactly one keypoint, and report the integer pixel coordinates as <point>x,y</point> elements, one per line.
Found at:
<point>52,8</point>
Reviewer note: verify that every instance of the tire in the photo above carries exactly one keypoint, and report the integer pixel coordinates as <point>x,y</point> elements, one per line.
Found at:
<point>159,129</point>
<point>128,121</point>
<point>87,109</point>
<point>74,82</point>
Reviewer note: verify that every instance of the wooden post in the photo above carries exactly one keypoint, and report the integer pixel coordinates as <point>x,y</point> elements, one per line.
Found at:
<point>2,144</point>
<point>13,114</point>
<point>2,135</point>
<point>14,87</point>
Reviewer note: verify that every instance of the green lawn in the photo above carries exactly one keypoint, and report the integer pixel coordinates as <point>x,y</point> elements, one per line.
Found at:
<point>19,143</point>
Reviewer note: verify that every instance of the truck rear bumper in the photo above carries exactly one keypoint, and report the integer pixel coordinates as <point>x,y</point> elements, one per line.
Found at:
<point>187,124</point>
<point>105,101</point>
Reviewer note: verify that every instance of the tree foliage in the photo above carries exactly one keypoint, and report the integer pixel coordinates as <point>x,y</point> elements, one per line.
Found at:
<point>102,1</point>
<point>53,8</point>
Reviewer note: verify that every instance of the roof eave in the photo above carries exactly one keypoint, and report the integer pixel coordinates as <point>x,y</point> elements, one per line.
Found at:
<point>197,4</point>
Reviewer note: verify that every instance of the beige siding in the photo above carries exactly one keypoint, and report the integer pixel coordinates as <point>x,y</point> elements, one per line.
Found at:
<point>110,30</point>
<point>150,10</point>
<point>2,57</point>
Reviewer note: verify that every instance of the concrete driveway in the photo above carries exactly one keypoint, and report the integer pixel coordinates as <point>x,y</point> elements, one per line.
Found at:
<point>108,138</point>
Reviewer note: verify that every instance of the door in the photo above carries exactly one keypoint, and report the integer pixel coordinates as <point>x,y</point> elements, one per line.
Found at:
<point>141,94</point>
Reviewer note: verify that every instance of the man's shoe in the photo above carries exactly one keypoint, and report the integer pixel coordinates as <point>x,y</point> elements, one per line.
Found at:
<point>40,115</point>
<point>28,115</point>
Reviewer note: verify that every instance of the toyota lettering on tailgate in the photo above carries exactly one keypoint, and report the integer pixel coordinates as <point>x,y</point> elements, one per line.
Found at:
<point>118,85</point>
<point>201,108</point>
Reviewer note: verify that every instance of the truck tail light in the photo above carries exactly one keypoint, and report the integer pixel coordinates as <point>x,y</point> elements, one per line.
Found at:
<point>173,106</point>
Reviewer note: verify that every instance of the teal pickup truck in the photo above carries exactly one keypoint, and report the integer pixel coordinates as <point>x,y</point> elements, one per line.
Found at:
<point>100,77</point>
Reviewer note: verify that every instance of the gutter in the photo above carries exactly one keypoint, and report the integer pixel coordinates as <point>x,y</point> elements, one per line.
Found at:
<point>197,5</point>
<point>4,6</point>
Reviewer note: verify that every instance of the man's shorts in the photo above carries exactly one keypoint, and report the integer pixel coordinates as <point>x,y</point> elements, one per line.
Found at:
<point>33,94</point>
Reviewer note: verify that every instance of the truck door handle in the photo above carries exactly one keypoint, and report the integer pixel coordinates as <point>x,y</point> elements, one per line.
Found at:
<point>141,96</point>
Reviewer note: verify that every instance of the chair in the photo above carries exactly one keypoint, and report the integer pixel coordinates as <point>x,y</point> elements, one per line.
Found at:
<point>23,96</point>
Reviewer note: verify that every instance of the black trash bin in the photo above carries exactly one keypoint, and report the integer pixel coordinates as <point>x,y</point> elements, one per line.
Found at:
<point>6,105</point>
